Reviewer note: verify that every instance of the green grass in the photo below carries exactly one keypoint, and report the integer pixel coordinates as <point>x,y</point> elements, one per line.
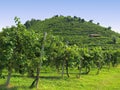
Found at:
<point>106,80</point>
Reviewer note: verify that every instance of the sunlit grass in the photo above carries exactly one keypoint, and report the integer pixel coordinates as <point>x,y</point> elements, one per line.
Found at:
<point>106,80</point>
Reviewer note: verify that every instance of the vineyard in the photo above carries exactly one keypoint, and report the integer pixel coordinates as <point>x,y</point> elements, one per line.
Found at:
<point>27,53</point>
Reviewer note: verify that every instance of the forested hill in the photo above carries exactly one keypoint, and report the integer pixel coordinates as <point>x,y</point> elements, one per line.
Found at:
<point>75,30</point>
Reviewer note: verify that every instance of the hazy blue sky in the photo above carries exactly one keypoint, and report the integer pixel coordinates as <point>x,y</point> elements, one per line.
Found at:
<point>106,12</point>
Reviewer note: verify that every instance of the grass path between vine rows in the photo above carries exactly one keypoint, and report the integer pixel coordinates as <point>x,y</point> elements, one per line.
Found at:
<point>106,80</point>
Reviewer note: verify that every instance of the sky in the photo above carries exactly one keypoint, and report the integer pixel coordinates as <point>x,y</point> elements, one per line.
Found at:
<point>106,12</point>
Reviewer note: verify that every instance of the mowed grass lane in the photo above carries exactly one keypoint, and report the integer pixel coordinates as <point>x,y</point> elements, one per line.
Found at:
<point>106,80</point>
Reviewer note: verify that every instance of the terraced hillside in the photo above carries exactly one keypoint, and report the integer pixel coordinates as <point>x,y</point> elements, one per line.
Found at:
<point>76,30</point>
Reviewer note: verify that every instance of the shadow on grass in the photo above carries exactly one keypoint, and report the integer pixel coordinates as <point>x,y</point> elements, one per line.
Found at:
<point>3,87</point>
<point>10,87</point>
<point>51,77</point>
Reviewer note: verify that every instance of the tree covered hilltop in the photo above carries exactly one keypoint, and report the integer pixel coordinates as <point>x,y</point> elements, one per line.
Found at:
<point>76,30</point>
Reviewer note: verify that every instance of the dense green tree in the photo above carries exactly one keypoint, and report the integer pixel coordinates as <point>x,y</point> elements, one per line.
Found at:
<point>98,23</point>
<point>86,60</point>
<point>109,28</point>
<point>107,57</point>
<point>11,47</point>
<point>54,52</point>
<point>70,58</point>
<point>17,47</point>
<point>98,58</point>
<point>39,57</point>
<point>91,21</point>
